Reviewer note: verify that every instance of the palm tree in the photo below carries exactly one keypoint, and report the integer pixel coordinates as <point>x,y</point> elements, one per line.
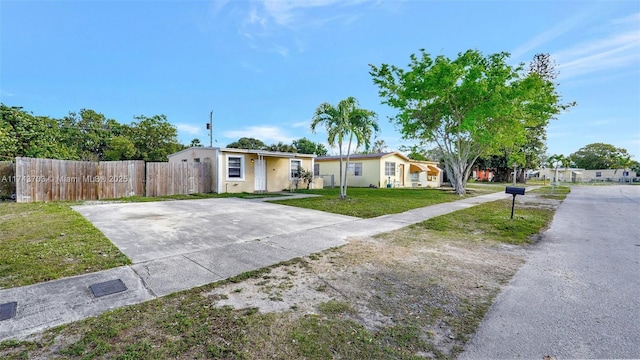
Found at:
<point>343,122</point>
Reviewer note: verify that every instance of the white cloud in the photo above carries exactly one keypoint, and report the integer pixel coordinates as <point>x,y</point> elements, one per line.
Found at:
<point>267,134</point>
<point>553,33</point>
<point>616,51</point>
<point>189,129</point>
<point>280,50</point>
<point>302,124</point>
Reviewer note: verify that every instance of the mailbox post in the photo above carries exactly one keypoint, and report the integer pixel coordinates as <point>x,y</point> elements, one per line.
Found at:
<point>514,191</point>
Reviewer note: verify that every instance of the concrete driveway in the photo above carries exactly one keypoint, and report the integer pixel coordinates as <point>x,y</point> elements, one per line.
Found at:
<point>156,230</point>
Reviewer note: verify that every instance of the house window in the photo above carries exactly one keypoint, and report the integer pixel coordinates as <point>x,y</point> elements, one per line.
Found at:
<point>625,173</point>
<point>184,160</point>
<point>295,166</point>
<point>235,167</point>
<point>355,168</point>
<point>415,176</point>
<point>389,168</point>
<point>598,174</point>
<point>196,160</point>
<point>316,169</point>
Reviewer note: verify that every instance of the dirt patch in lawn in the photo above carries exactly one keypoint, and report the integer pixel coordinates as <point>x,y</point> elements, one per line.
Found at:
<point>404,278</point>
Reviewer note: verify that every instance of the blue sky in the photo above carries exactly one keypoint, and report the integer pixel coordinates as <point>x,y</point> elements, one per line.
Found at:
<point>264,66</point>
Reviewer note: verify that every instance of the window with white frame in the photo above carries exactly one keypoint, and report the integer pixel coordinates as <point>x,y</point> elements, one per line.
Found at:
<point>235,167</point>
<point>415,176</point>
<point>295,166</point>
<point>355,168</point>
<point>389,168</point>
<point>316,169</point>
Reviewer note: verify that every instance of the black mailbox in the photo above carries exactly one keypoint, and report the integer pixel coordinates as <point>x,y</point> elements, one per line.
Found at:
<point>514,190</point>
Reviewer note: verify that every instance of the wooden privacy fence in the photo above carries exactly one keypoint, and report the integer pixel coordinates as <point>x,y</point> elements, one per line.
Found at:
<point>65,180</point>
<point>178,178</point>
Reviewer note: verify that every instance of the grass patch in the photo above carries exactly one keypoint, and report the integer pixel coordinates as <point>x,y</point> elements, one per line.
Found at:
<point>46,241</point>
<point>492,220</point>
<point>369,203</point>
<point>549,192</point>
<point>333,307</point>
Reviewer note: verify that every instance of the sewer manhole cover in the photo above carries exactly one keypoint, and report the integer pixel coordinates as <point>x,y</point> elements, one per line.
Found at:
<point>8,310</point>
<point>107,288</point>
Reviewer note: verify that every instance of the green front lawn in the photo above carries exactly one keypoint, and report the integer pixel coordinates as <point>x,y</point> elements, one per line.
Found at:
<point>46,241</point>
<point>368,203</point>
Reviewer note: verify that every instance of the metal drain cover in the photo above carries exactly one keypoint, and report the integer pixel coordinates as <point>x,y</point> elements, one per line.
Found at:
<point>8,310</point>
<point>107,287</point>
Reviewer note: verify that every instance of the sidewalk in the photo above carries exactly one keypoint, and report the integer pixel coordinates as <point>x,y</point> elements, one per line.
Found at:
<point>42,306</point>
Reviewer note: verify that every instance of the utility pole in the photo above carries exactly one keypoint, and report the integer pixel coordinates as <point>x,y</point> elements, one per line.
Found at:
<point>210,127</point>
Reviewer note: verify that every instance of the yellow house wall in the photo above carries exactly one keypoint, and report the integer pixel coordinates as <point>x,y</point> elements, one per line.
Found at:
<point>396,180</point>
<point>372,171</point>
<point>277,173</point>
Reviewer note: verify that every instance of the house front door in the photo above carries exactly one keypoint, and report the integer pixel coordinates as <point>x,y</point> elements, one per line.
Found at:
<point>401,174</point>
<point>260,171</point>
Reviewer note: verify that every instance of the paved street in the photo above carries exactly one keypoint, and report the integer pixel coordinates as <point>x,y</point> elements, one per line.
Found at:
<point>578,295</point>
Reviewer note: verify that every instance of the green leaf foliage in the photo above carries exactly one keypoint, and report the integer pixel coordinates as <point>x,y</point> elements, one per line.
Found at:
<point>601,156</point>
<point>469,106</point>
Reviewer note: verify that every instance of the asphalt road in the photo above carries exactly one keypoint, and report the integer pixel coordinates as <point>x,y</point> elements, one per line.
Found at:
<point>578,294</point>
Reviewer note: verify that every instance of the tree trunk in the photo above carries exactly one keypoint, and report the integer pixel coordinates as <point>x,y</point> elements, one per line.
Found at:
<point>340,171</point>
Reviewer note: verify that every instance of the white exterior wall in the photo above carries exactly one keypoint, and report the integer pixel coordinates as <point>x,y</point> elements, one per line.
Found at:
<point>581,175</point>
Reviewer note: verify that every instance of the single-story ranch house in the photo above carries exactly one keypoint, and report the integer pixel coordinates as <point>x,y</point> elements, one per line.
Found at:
<point>390,169</point>
<point>582,175</point>
<point>241,170</point>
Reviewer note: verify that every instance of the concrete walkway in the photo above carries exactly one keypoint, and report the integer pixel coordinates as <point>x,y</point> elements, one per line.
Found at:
<point>46,305</point>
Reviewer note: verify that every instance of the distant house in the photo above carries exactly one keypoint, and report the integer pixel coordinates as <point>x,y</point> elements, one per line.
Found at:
<point>614,175</point>
<point>482,175</point>
<point>564,174</point>
<point>582,175</point>
<point>390,169</point>
<point>241,170</point>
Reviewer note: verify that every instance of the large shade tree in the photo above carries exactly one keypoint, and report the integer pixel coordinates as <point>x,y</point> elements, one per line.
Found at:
<point>248,143</point>
<point>598,156</point>
<point>345,123</point>
<point>470,106</point>
<point>306,146</point>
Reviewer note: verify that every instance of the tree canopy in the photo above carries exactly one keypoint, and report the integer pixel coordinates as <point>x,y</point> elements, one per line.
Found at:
<point>85,135</point>
<point>470,106</point>
<point>248,143</point>
<point>600,156</point>
<point>306,146</point>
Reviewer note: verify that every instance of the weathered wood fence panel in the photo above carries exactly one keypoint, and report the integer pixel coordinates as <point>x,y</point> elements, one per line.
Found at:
<point>7,179</point>
<point>177,178</point>
<point>66,180</point>
<point>121,179</point>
